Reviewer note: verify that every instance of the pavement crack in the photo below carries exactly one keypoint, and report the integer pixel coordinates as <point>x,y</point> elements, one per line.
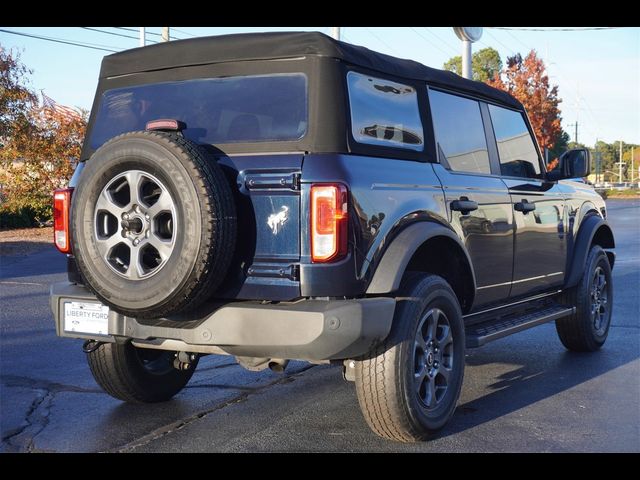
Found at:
<point>36,420</point>
<point>39,384</point>
<point>182,423</point>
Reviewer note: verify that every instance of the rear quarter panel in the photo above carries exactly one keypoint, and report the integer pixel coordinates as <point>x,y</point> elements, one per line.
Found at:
<point>386,195</point>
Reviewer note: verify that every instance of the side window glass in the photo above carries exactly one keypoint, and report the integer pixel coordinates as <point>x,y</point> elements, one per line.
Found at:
<point>459,131</point>
<point>384,112</point>
<point>518,155</point>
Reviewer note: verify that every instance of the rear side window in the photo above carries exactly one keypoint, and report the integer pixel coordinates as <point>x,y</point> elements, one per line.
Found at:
<point>459,131</point>
<point>260,108</point>
<point>518,155</point>
<point>384,112</point>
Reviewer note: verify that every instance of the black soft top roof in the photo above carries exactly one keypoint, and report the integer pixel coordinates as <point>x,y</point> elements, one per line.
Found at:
<point>272,45</point>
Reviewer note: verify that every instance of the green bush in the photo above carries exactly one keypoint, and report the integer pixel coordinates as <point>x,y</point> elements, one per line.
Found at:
<point>24,217</point>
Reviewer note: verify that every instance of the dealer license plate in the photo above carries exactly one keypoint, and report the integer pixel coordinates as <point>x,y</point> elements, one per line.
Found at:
<point>86,317</point>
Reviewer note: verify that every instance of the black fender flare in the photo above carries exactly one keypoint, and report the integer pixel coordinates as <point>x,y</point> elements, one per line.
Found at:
<point>590,227</point>
<point>395,259</point>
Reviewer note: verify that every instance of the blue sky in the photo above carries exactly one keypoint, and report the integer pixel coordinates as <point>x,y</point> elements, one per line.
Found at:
<point>597,71</point>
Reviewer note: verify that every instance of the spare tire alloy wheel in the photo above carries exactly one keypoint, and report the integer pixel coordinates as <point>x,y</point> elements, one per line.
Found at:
<point>153,224</point>
<point>135,218</point>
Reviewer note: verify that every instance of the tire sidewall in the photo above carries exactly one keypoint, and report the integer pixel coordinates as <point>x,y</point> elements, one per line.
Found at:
<point>110,160</point>
<point>597,258</point>
<point>439,296</point>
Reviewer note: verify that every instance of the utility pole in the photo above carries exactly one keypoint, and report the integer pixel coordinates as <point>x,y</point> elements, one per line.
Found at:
<point>143,37</point>
<point>335,32</point>
<point>165,34</point>
<point>597,163</point>
<point>620,161</point>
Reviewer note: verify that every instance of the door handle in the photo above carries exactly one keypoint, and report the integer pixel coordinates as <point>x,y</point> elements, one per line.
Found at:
<point>524,206</point>
<point>464,205</point>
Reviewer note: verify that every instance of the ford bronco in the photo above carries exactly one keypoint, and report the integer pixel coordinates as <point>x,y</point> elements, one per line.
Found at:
<point>286,196</point>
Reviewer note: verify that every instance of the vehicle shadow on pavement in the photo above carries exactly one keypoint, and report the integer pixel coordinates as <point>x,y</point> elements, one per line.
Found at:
<point>542,367</point>
<point>527,385</point>
<point>530,381</point>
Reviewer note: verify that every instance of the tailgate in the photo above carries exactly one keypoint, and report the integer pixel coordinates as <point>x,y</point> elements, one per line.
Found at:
<point>268,251</point>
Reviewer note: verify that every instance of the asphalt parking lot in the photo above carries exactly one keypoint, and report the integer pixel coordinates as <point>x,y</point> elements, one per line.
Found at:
<point>522,393</point>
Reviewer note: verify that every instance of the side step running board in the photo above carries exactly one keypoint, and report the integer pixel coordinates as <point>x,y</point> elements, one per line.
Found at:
<point>481,333</point>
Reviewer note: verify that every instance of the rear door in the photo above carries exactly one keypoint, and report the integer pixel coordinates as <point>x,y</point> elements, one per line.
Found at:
<point>478,202</point>
<point>538,206</point>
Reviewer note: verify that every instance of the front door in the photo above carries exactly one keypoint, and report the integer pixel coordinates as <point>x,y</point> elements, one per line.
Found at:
<point>538,207</point>
<point>478,201</point>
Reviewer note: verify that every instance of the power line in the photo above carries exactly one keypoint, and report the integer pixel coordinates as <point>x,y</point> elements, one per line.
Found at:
<point>446,44</point>
<point>554,29</point>
<point>58,40</point>
<point>508,48</point>
<point>429,41</point>
<point>150,33</point>
<point>382,41</point>
<point>136,30</point>
<point>113,33</point>
<point>518,40</point>
<point>183,32</point>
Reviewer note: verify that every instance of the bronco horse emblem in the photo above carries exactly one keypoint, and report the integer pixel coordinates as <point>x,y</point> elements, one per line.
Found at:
<point>276,220</point>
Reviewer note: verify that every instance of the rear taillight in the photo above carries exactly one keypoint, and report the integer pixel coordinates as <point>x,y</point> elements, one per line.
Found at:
<point>329,222</point>
<point>61,206</point>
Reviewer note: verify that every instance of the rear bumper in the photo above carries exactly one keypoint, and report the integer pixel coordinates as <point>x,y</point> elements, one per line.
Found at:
<point>307,329</point>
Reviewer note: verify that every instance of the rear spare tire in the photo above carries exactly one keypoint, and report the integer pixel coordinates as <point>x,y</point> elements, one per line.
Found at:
<point>153,224</point>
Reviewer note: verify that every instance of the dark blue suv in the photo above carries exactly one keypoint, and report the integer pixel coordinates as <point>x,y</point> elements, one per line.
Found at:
<point>288,196</point>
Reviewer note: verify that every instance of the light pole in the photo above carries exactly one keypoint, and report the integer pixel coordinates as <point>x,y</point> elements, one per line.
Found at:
<point>468,35</point>
<point>142,36</point>
<point>335,32</point>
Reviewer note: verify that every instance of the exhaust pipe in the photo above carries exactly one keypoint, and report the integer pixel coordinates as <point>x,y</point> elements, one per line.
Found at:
<point>278,364</point>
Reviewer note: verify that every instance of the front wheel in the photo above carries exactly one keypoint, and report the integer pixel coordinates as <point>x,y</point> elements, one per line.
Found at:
<point>409,386</point>
<point>587,329</point>
<point>137,375</point>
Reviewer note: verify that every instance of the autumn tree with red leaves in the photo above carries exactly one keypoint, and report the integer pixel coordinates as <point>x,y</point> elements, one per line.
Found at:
<point>526,80</point>
<point>38,147</point>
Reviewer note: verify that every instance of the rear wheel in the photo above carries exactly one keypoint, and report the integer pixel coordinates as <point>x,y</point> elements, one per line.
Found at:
<point>587,329</point>
<point>409,386</point>
<point>137,375</point>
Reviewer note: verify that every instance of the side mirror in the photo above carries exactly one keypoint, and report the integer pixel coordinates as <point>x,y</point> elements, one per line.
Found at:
<point>574,163</point>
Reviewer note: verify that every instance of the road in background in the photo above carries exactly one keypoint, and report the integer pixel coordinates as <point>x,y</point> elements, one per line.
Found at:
<point>521,393</point>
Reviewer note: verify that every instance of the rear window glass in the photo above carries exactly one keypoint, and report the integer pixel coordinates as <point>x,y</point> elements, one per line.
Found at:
<point>260,108</point>
<point>384,112</point>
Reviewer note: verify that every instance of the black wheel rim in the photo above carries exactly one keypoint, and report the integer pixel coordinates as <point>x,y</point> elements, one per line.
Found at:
<point>155,362</point>
<point>599,301</point>
<point>433,358</point>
